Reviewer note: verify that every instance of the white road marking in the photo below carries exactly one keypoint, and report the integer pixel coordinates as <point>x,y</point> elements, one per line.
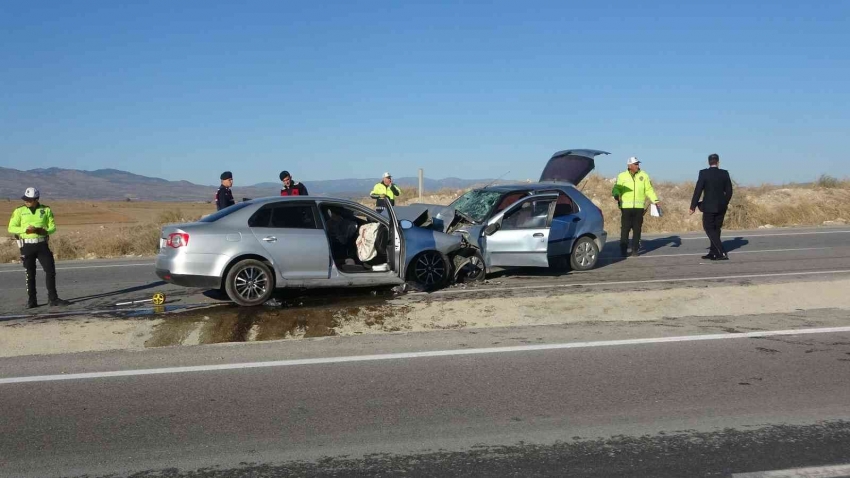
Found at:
<point>731,234</point>
<point>83,267</point>
<point>650,255</point>
<point>627,282</point>
<point>836,471</point>
<point>415,355</point>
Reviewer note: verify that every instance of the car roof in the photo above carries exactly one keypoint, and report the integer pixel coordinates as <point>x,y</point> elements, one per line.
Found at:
<point>506,188</point>
<point>269,199</point>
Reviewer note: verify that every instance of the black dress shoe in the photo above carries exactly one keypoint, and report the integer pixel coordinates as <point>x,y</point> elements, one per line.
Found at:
<point>724,257</point>
<point>709,257</point>
<point>32,305</point>
<point>59,302</point>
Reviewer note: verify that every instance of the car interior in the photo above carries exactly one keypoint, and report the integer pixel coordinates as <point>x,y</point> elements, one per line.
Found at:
<point>343,226</point>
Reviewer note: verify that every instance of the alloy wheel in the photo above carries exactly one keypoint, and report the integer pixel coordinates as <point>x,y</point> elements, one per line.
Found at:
<point>430,269</point>
<point>251,283</point>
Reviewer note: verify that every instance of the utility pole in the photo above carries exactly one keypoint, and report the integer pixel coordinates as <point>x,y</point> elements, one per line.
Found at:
<point>421,182</point>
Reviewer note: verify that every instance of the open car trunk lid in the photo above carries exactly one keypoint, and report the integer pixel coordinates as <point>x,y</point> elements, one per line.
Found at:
<point>570,165</point>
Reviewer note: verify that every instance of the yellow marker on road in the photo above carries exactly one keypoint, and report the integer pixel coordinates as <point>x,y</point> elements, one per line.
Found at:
<point>158,298</point>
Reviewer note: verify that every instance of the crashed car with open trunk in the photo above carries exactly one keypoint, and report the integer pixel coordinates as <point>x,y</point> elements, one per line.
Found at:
<point>545,224</point>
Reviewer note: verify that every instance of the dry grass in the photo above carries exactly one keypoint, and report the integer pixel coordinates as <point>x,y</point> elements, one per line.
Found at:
<point>92,229</point>
<point>824,202</point>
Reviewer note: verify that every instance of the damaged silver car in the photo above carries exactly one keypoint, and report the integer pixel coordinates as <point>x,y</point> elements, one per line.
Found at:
<point>545,224</point>
<point>251,248</point>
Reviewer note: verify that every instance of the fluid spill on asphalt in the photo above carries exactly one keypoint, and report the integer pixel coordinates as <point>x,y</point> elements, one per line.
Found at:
<point>302,317</point>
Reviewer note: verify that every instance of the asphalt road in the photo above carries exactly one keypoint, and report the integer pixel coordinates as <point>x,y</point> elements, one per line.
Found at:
<point>525,401</point>
<point>665,408</point>
<point>756,256</point>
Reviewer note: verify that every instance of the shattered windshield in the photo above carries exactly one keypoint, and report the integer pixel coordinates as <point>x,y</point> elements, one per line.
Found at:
<point>477,204</point>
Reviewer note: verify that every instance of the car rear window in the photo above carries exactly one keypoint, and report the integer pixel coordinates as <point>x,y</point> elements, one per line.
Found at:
<point>224,212</point>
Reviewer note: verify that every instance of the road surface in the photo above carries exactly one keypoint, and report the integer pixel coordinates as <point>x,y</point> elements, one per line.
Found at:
<point>756,256</point>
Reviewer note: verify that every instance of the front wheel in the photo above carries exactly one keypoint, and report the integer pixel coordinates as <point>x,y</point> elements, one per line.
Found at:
<point>249,283</point>
<point>470,268</point>
<point>585,254</point>
<point>429,270</point>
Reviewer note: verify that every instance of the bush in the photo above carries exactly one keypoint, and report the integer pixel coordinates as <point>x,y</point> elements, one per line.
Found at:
<point>828,182</point>
<point>175,216</point>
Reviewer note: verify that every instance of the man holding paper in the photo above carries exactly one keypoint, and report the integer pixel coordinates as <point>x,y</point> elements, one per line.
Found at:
<point>630,191</point>
<point>715,186</point>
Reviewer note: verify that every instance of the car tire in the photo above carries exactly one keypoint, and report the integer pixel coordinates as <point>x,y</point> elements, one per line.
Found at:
<point>470,268</point>
<point>585,254</point>
<point>249,283</point>
<point>430,270</point>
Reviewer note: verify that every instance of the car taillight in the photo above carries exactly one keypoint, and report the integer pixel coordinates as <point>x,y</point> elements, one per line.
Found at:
<point>177,239</point>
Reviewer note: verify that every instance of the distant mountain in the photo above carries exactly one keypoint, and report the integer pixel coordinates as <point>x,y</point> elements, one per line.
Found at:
<point>113,184</point>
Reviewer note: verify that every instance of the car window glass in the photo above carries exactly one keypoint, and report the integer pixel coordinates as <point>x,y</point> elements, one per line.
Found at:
<point>224,212</point>
<point>477,204</point>
<point>508,200</point>
<point>530,215</point>
<point>261,218</point>
<point>293,216</point>
<point>564,206</point>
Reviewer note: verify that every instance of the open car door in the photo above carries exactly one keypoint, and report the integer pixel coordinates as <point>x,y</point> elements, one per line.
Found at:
<point>519,235</point>
<point>570,166</point>
<point>395,243</point>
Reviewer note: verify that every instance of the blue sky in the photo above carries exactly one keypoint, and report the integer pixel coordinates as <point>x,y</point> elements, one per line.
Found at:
<point>185,90</point>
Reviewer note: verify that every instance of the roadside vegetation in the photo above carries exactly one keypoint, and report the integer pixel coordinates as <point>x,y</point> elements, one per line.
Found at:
<point>135,232</point>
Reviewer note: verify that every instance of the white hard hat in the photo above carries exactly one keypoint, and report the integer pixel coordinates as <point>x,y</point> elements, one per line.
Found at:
<point>31,193</point>
<point>387,175</point>
<point>633,160</point>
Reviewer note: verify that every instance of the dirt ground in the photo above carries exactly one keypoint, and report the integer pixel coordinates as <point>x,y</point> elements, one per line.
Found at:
<point>405,314</point>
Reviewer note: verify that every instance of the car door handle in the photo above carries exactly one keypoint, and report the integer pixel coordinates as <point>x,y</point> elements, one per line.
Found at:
<point>270,239</point>
<point>576,219</point>
<point>538,234</point>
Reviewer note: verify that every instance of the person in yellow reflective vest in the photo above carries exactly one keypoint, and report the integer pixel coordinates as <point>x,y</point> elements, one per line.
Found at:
<point>32,224</point>
<point>631,190</point>
<point>385,191</point>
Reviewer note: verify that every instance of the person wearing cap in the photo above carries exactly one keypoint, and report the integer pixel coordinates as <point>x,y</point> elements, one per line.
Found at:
<point>715,187</point>
<point>32,224</point>
<point>224,197</point>
<point>290,187</point>
<point>385,191</point>
<point>631,190</point>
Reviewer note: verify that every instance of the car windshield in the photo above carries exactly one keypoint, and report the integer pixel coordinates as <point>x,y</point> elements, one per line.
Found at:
<point>477,204</point>
<point>224,212</point>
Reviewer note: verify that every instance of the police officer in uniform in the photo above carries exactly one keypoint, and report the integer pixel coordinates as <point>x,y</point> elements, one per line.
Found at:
<point>631,190</point>
<point>32,224</point>
<point>385,191</point>
<point>224,197</point>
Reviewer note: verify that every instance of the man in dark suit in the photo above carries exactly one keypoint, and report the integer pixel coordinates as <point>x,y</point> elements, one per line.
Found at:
<point>715,186</point>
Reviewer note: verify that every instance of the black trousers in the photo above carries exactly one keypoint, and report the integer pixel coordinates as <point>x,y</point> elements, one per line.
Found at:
<point>41,252</point>
<point>712,223</point>
<point>631,219</point>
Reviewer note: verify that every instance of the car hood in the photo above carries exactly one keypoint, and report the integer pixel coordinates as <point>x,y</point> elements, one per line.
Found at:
<point>570,165</point>
<point>431,216</point>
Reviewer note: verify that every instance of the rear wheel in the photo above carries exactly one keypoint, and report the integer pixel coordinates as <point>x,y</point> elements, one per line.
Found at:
<point>585,254</point>
<point>429,270</point>
<point>249,283</point>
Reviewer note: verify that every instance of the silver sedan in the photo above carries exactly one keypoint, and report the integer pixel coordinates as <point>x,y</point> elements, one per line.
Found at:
<point>251,248</point>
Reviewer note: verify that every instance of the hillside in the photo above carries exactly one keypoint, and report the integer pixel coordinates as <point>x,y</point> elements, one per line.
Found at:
<point>112,184</point>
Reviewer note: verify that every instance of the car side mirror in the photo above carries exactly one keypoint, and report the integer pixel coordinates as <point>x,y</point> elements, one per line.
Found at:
<point>405,224</point>
<point>492,228</point>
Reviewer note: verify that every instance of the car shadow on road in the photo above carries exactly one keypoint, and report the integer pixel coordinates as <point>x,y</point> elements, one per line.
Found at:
<point>117,292</point>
